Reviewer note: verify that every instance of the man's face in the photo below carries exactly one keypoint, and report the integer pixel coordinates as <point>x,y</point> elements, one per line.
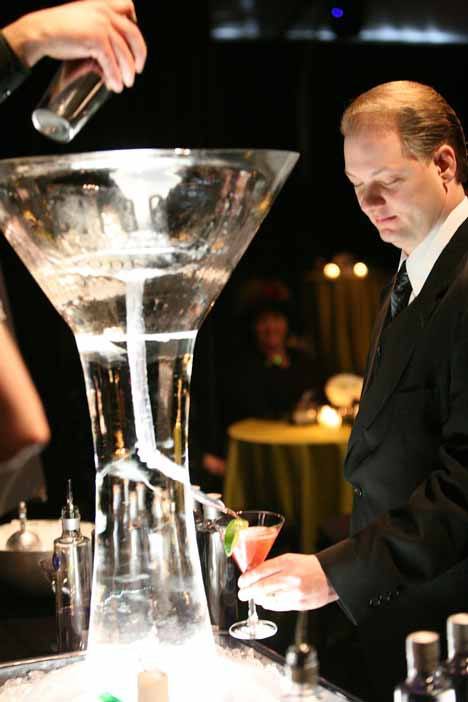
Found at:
<point>403,196</point>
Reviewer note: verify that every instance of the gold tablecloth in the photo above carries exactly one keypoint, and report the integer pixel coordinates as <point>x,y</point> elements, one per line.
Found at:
<point>294,470</point>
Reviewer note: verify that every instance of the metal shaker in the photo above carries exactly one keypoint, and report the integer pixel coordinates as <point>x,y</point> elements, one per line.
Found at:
<point>219,572</point>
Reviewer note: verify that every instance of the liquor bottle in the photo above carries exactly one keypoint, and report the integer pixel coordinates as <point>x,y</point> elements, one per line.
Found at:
<point>426,679</point>
<point>456,665</point>
<point>71,561</point>
<point>300,681</point>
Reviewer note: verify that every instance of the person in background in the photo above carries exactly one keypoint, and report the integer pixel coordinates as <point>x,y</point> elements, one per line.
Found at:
<point>404,566</point>
<point>102,30</point>
<point>268,379</point>
<point>264,378</point>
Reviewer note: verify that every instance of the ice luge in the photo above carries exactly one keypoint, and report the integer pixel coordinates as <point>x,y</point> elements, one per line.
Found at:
<point>132,248</point>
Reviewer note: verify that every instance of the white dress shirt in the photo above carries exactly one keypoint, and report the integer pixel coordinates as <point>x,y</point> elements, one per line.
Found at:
<point>422,259</point>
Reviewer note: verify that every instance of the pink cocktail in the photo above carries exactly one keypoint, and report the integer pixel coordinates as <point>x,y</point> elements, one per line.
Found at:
<point>250,550</point>
<point>254,545</point>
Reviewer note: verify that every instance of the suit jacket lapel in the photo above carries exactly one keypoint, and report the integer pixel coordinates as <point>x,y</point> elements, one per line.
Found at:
<point>398,341</point>
<point>376,334</point>
<point>400,337</point>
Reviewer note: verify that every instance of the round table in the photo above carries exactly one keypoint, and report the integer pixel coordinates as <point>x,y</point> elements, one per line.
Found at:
<point>294,470</point>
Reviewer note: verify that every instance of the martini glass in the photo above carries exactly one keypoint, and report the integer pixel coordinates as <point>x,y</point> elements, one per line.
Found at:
<point>253,546</point>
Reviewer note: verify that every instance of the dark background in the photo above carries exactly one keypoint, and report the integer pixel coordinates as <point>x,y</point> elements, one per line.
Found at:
<point>198,92</point>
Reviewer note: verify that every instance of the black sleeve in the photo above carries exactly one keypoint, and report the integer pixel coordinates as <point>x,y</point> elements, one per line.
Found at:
<point>12,71</point>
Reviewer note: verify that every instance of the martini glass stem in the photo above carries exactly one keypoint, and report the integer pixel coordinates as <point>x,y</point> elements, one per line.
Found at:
<point>253,617</point>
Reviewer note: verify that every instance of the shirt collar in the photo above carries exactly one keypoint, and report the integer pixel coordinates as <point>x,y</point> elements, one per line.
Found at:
<point>422,259</point>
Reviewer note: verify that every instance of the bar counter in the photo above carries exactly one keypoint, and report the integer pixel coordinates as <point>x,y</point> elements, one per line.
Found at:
<point>27,639</point>
<point>27,626</point>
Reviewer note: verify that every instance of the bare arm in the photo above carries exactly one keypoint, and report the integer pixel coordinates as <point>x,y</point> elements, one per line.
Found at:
<point>23,424</point>
<point>103,30</point>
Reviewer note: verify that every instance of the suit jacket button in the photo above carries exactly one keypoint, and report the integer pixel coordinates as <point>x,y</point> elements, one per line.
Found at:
<point>378,351</point>
<point>357,491</point>
<point>373,602</point>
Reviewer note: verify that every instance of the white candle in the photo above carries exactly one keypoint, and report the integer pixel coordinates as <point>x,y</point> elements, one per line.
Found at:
<point>153,686</point>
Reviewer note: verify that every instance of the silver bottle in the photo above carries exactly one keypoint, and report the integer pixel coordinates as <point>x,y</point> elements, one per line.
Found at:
<point>72,564</point>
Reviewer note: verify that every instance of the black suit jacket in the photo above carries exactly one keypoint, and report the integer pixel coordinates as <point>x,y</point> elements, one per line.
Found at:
<point>405,565</point>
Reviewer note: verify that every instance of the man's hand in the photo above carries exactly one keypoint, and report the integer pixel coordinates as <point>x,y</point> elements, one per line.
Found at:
<point>103,30</point>
<point>292,581</point>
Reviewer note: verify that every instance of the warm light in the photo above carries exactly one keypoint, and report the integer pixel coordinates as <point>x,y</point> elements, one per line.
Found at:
<point>331,270</point>
<point>328,417</point>
<point>360,270</point>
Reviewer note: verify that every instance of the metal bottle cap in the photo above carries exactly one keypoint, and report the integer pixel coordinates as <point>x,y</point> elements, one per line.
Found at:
<point>70,513</point>
<point>302,664</point>
<point>457,634</point>
<point>422,652</point>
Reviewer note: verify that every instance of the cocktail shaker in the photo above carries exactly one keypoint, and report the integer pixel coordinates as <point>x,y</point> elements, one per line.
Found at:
<point>219,572</point>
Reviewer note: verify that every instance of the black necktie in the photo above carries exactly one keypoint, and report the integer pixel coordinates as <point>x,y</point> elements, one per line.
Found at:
<point>401,292</point>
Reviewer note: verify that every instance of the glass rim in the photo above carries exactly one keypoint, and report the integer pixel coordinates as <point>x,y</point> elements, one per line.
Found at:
<point>121,157</point>
<point>269,513</point>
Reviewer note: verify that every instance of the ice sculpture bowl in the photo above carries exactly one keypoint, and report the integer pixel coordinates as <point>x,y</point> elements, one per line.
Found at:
<point>86,224</point>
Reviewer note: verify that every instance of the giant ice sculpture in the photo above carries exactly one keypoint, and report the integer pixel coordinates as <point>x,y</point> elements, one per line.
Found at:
<point>132,248</point>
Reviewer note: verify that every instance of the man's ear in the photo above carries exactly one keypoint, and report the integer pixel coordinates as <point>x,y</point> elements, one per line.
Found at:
<point>445,161</point>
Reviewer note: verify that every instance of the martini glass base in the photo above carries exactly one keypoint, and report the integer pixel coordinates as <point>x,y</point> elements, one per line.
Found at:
<point>245,630</point>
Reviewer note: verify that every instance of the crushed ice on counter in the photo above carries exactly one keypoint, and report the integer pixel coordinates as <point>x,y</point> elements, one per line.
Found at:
<point>241,674</point>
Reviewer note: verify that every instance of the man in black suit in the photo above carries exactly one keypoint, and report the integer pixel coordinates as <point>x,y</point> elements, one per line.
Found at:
<point>404,566</point>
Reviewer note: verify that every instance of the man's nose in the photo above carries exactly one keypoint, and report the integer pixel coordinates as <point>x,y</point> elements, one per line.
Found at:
<point>370,198</point>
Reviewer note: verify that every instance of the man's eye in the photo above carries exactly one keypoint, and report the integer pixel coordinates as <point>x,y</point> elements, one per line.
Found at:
<point>389,183</point>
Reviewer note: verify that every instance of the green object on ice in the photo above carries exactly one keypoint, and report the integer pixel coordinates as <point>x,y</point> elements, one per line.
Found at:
<point>108,698</point>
